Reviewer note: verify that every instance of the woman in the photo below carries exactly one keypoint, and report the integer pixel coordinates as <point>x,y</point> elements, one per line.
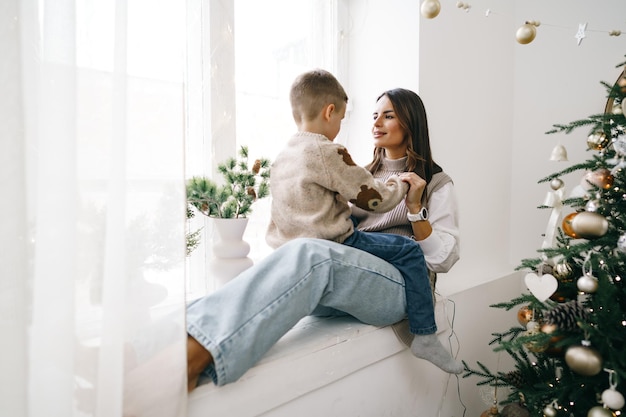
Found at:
<point>231,329</point>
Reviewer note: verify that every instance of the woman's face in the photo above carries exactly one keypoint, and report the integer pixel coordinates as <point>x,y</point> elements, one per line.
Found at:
<point>387,132</point>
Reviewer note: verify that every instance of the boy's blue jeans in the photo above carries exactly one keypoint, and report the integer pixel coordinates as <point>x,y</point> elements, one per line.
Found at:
<point>407,256</point>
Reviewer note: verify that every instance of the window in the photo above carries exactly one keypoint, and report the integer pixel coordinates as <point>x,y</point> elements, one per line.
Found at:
<point>266,44</point>
<point>269,54</point>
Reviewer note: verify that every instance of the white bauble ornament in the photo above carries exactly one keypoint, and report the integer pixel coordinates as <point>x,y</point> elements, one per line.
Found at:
<point>526,33</point>
<point>430,8</point>
<point>599,411</point>
<point>613,399</point>
<point>583,360</point>
<point>592,205</point>
<point>556,184</point>
<point>587,283</point>
<point>549,411</point>
<point>624,106</point>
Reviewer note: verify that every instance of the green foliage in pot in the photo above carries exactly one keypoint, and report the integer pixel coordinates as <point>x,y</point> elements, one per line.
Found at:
<point>243,185</point>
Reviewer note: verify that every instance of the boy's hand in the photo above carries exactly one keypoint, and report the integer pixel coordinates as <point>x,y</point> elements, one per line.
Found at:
<point>417,185</point>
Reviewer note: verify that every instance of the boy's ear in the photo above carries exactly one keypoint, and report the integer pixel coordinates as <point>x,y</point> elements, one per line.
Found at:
<point>328,111</point>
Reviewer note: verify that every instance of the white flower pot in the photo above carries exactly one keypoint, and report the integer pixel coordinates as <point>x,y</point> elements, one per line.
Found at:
<point>229,250</point>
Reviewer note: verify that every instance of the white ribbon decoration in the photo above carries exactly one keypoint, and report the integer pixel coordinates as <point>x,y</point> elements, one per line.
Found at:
<point>556,202</point>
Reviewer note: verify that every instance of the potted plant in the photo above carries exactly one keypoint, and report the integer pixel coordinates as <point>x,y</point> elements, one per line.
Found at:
<point>243,185</point>
<point>230,203</point>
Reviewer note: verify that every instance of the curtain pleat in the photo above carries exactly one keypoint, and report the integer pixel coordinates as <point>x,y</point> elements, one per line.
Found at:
<point>92,224</point>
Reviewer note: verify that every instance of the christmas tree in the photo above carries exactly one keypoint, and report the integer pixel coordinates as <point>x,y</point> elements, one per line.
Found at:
<point>569,347</point>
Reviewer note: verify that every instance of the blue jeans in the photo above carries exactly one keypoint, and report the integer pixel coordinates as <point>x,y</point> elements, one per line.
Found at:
<point>407,256</point>
<point>242,320</point>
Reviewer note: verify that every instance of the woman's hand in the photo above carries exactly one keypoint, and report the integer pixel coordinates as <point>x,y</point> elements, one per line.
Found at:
<point>417,185</point>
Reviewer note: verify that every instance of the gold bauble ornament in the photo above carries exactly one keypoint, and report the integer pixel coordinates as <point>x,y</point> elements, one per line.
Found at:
<point>524,315</point>
<point>563,271</point>
<point>598,141</point>
<point>599,411</point>
<point>589,225</point>
<point>430,8</point>
<point>566,225</point>
<point>583,360</point>
<point>526,33</point>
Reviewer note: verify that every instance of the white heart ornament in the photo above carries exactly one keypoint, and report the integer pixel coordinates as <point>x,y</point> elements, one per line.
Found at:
<point>542,287</point>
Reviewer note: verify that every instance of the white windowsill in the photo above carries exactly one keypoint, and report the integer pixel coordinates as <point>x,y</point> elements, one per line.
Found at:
<point>316,352</point>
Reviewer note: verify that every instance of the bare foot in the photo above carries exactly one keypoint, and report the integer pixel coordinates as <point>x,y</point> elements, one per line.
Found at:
<point>198,358</point>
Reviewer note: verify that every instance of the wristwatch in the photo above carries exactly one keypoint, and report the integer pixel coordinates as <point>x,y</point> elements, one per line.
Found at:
<point>418,217</point>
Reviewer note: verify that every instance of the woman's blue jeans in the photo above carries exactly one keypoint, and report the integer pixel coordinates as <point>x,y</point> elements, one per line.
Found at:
<point>407,256</point>
<point>242,320</point>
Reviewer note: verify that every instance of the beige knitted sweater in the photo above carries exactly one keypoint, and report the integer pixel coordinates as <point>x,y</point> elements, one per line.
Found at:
<point>313,179</point>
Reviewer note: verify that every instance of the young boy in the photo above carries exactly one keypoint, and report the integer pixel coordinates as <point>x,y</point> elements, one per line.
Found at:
<point>313,180</point>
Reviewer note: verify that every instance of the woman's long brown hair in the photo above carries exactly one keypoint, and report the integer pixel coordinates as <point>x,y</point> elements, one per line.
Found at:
<point>411,114</point>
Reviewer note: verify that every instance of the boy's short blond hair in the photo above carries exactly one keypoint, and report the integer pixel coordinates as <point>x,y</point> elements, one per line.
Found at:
<point>313,90</point>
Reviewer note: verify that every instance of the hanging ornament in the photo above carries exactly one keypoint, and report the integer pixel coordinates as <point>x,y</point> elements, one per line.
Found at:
<point>601,178</point>
<point>589,225</point>
<point>524,315</point>
<point>559,153</point>
<point>587,283</point>
<point>599,411</point>
<point>514,410</point>
<point>556,184</point>
<point>527,32</point>
<point>611,397</point>
<point>430,8</point>
<point>580,34</point>
<point>550,410</point>
<point>542,287</point>
<point>583,359</point>
<point>563,271</point>
<point>566,225</point>
<point>551,349</point>
<point>592,206</point>
<point>535,346</point>
<point>621,243</point>
<point>598,141</point>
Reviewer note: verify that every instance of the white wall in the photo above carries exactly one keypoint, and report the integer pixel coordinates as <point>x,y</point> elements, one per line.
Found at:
<point>557,81</point>
<point>489,102</point>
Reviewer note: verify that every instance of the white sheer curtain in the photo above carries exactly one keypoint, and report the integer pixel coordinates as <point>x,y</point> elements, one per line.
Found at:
<point>92,211</point>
